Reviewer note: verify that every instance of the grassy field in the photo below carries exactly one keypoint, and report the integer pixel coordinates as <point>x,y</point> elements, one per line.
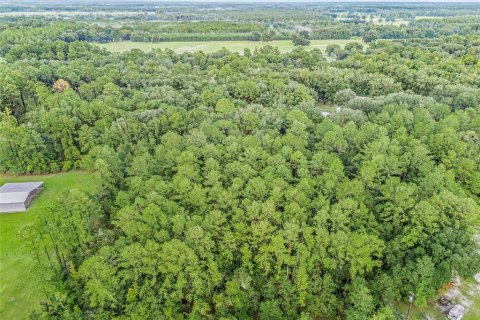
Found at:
<point>18,290</point>
<point>213,46</point>
<point>430,17</point>
<point>396,23</point>
<point>375,20</point>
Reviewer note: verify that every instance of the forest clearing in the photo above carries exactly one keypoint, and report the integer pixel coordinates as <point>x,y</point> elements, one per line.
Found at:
<point>213,46</point>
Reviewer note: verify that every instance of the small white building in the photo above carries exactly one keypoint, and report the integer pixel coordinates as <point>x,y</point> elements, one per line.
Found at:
<point>16,197</point>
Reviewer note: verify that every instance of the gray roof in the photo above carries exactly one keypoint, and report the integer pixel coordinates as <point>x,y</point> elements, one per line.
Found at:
<point>20,187</point>
<point>17,192</point>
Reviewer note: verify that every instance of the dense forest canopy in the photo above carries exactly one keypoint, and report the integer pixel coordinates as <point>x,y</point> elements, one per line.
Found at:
<point>226,193</point>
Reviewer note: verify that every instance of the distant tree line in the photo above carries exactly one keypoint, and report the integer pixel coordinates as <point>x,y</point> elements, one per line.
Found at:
<point>224,31</point>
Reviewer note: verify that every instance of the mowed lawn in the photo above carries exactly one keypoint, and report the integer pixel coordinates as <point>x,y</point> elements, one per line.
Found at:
<point>19,293</point>
<point>213,46</point>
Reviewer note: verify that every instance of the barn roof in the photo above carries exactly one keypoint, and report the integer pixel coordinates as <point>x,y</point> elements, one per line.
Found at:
<point>20,187</point>
<point>17,192</point>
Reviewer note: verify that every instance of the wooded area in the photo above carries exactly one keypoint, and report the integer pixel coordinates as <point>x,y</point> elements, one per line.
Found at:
<point>224,192</point>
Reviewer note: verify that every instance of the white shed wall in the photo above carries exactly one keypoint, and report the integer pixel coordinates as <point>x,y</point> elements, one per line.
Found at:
<point>16,197</point>
<point>12,207</point>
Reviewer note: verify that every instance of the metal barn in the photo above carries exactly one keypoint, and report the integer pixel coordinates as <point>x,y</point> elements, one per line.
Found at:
<point>16,197</point>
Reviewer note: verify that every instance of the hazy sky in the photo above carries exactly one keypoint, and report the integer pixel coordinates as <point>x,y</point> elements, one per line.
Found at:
<point>63,2</point>
<point>239,1</point>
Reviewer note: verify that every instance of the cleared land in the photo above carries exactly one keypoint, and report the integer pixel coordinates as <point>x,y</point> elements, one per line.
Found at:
<point>396,23</point>
<point>213,46</point>
<point>375,19</point>
<point>19,293</point>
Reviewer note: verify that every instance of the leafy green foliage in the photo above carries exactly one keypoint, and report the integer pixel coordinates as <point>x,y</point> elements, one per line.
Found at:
<point>226,193</point>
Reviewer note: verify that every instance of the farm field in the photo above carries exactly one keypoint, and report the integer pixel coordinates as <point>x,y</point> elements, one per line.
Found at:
<point>19,292</point>
<point>396,23</point>
<point>213,46</point>
<point>428,17</point>
<point>375,20</point>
